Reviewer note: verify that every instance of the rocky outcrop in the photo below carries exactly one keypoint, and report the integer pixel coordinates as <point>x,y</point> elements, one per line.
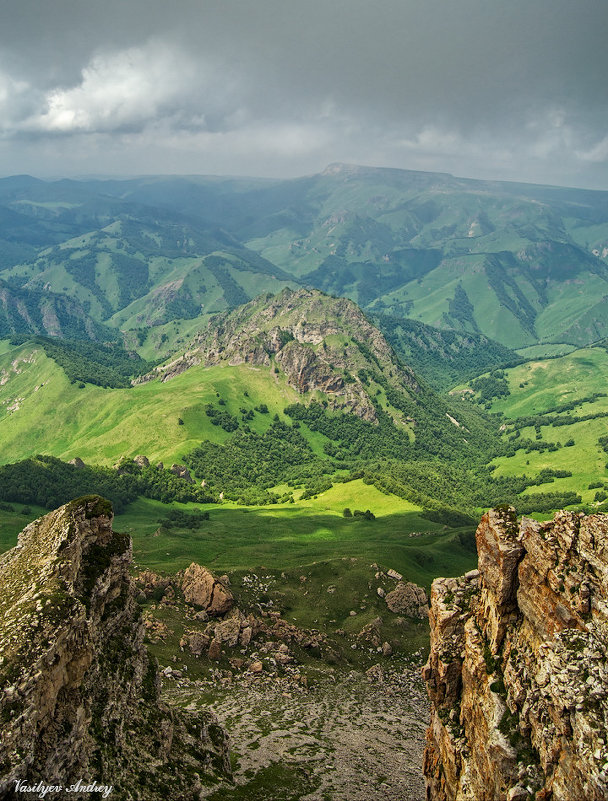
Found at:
<point>79,694</point>
<point>303,334</point>
<point>181,471</point>
<point>518,668</point>
<point>202,589</point>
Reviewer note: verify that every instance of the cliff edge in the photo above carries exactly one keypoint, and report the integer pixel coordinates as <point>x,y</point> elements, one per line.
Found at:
<point>79,694</point>
<point>518,669</point>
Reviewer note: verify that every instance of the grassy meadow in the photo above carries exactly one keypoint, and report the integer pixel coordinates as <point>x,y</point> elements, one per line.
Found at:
<point>42,412</point>
<point>306,535</point>
<point>289,536</point>
<point>541,387</point>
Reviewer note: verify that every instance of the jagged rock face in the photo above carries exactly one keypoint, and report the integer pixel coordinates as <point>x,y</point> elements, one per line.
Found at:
<point>295,328</point>
<point>518,669</point>
<point>79,694</point>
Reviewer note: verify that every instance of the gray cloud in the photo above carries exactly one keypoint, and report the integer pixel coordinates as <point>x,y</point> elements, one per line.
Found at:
<point>486,88</point>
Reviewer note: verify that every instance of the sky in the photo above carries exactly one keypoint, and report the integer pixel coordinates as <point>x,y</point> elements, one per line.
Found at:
<point>492,89</point>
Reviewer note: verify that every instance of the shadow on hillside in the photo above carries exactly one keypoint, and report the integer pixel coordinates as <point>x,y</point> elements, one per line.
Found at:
<point>280,539</point>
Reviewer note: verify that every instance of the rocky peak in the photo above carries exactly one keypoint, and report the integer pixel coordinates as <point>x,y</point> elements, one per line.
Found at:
<point>518,669</point>
<point>318,342</point>
<point>79,694</point>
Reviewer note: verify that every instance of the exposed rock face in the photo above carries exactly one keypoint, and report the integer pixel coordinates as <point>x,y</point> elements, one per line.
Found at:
<point>408,599</point>
<point>79,694</point>
<point>295,329</point>
<point>202,589</point>
<point>518,669</point>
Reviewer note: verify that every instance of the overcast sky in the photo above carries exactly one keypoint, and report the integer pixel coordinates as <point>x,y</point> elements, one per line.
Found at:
<point>506,89</point>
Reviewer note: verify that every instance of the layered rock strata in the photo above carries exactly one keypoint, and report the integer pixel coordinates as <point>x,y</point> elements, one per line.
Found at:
<point>79,694</point>
<point>518,669</point>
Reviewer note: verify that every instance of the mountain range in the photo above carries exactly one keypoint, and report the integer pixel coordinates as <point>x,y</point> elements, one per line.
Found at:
<point>312,387</point>
<point>518,263</point>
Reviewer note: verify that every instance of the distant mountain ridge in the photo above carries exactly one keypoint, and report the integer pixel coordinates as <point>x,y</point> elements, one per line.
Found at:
<point>517,263</point>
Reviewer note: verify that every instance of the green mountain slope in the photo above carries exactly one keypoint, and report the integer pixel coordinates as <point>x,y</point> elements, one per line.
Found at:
<point>139,273</point>
<point>274,356</point>
<point>498,259</point>
<point>556,419</point>
<point>25,311</point>
<point>443,357</point>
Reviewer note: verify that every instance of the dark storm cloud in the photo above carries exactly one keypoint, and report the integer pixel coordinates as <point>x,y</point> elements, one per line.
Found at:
<point>513,89</point>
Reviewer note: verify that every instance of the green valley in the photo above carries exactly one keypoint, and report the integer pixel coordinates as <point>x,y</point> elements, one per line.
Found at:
<point>185,323</point>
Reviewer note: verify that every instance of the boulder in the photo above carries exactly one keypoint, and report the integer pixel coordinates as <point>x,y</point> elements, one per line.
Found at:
<point>229,629</point>
<point>197,643</point>
<point>201,588</point>
<point>375,673</point>
<point>215,649</point>
<point>408,599</point>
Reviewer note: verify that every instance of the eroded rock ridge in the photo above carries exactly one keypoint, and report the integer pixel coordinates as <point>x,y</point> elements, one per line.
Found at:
<point>79,694</point>
<point>518,669</point>
<point>302,333</point>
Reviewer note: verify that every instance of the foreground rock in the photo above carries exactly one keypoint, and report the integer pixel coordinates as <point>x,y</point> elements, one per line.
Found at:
<point>518,670</point>
<point>79,695</point>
